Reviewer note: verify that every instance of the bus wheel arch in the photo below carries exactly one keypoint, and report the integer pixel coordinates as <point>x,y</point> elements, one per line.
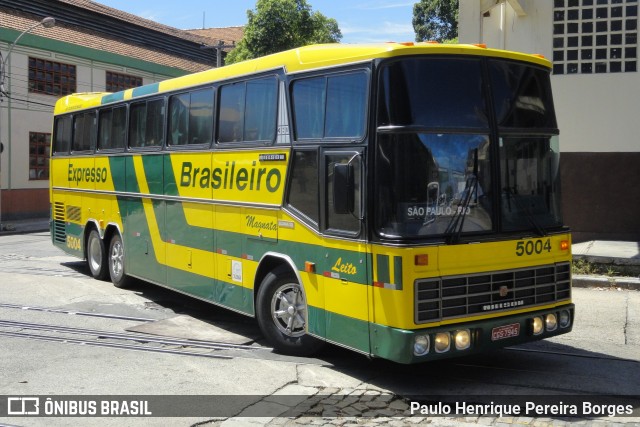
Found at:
<point>95,251</point>
<point>281,307</point>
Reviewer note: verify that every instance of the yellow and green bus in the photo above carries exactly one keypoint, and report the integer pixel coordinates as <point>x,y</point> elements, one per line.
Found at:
<point>399,199</point>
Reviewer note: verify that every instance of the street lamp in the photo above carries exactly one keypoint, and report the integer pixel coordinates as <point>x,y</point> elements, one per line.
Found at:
<point>47,22</point>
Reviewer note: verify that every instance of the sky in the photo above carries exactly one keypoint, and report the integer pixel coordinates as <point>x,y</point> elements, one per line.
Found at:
<point>360,21</point>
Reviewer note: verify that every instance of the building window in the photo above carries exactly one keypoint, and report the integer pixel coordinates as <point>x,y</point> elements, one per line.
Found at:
<point>117,82</point>
<point>39,144</point>
<point>595,36</point>
<point>51,78</point>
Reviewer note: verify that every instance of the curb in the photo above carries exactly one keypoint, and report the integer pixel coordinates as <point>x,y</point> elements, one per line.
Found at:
<point>583,281</point>
<point>24,231</point>
<point>608,260</point>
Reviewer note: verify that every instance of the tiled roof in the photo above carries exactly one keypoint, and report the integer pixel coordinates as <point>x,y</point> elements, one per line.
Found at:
<point>98,39</point>
<point>134,19</point>
<point>229,35</point>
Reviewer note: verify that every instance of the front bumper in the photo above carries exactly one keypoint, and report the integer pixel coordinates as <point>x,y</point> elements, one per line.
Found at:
<point>489,334</point>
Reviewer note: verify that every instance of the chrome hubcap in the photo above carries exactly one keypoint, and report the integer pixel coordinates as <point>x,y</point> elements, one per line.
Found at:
<point>289,310</point>
<point>95,255</point>
<point>117,259</point>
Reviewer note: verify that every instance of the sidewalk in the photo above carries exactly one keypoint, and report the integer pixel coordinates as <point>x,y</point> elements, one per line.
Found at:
<point>623,254</point>
<point>608,253</point>
<point>22,226</point>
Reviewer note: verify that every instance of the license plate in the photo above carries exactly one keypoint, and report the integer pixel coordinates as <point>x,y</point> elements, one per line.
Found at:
<point>507,331</point>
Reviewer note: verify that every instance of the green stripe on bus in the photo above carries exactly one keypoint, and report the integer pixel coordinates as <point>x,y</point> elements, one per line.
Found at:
<point>170,186</point>
<point>146,90</point>
<point>114,97</point>
<point>397,272</point>
<point>382,267</point>
<point>345,330</point>
<point>220,292</point>
<point>117,169</point>
<point>153,166</point>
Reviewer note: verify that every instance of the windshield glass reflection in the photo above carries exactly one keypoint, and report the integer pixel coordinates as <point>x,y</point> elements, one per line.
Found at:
<point>433,184</point>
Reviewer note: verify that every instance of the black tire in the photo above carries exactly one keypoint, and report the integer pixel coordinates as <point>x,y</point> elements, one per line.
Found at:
<point>97,256</point>
<point>116,263</point>
<point>293,313</point>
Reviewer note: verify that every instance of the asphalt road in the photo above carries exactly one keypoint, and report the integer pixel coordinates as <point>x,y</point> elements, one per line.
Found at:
<point>64,333</point>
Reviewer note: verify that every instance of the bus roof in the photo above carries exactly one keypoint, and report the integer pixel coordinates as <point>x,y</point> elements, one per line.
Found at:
<point>294,60</point>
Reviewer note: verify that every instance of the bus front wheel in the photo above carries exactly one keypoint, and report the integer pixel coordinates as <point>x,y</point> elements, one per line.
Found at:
<point>116,263</point>
<point>97,256</point>
<point>281,310</point>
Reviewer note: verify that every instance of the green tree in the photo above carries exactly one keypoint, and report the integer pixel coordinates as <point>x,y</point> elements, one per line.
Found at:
<point>277,25</point>
<point>435,20</point>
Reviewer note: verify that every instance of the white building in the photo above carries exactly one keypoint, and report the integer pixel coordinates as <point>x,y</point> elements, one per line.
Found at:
<point>92,48</point>
<point>594,47</point>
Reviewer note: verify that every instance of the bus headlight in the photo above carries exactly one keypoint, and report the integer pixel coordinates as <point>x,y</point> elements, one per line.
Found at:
<point>442,342</point>
<point>537,325</point>
<point>565,318</point>
<point>463,339</point>
<point>551,322</point>
<point>421,345</point>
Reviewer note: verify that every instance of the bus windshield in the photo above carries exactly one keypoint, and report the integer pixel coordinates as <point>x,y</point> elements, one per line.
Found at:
<point>449,165</point>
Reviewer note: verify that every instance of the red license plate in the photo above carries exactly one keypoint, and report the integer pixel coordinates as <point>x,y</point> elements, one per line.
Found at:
<point>507,331</point>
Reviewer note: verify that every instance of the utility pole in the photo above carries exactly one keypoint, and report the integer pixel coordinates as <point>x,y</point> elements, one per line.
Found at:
<point>219,47</point>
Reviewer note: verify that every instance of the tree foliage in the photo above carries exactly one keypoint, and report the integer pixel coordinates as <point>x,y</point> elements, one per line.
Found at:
<point>435,20</point>
<point>277,25</point>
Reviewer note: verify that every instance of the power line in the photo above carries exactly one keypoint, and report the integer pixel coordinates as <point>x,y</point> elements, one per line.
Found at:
<point>8,96</point>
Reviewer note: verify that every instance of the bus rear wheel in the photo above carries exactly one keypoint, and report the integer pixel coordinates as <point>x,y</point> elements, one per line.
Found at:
<point>281,310</point>
<point>116,263</point>
<point>97,256</point>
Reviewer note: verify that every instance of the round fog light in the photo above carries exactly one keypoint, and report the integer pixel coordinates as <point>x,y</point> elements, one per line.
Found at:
<point>421,345</point>
<point>537,325</point>
<point>565,318</point>
<point>442,342</point>
<point>463,339</point>
<point>551,322</point>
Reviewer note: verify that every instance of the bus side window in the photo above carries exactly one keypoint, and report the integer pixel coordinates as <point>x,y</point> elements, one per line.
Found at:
<point>137,116</point>
<point>191,118</point>
<point>118,127</point>
<point>347,98</point>
<point>62,137</point>
<point>111,128</point>
<point>155,123</point>
<point>261,109</point>
<point>248,111</point>
<point>178,133</point>
<point>231,114</point>
<point>308,103</point>
<point>146,122</point>
<point>105,120</point>
<point>331,107</point>
<point>83,131</point>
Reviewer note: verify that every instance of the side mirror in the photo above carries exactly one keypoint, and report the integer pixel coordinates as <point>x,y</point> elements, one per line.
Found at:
<point>343,189</point>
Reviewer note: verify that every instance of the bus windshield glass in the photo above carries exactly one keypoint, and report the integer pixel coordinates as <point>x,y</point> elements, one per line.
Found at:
<point>441,148</point>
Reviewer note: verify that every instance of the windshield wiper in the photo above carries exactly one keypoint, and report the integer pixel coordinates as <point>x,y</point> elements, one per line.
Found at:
<point>527,212</point>
<point>456,224</point>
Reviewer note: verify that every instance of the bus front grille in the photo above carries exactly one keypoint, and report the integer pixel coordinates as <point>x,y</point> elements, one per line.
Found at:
<point>485,293</point>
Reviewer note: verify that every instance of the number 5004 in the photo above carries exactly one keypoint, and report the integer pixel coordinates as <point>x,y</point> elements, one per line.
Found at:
<point>531,247</point>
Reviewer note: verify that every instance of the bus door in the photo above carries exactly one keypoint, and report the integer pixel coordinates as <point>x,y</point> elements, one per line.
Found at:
<point>345,259</point>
